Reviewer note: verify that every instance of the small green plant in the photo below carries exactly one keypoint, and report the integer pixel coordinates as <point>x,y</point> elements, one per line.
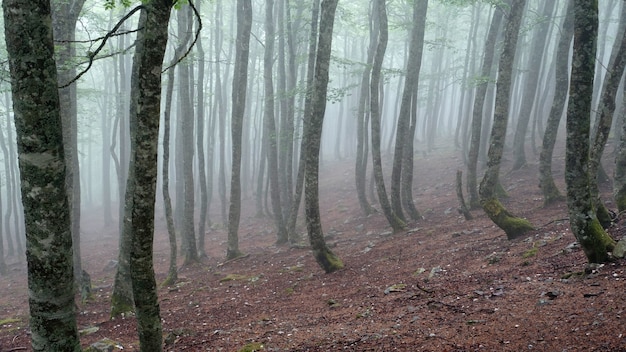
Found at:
<point>251,347</point>
<point>530,253</point>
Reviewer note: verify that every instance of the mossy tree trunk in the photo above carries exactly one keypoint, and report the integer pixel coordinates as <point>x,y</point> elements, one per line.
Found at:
<point>395,219</point>
<point>477,110</point>
<point>513,226</point>
<point>324,256</point>
<point>550,192</point>
<point>240,79</point>
<point>42,167</point>
<point>606,108</point>
<point>144,120</point>
<point>585,226</point>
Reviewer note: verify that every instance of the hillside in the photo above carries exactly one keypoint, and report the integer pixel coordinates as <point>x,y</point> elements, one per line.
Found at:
<point>445,284</point>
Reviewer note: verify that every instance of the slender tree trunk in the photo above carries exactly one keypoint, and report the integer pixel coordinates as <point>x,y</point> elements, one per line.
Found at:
<point>42,166</point>
<point>360,170</point>
<point>606,108</point>
<point>479,103</point>
<point>270,124</point>
<point>550,192</point>
<point>204,197</point>
<point>402,172</point>
<point>538,44</point>
<point>324,256</point>
<point>512,225</point>
<point>585,226</point>
<point>240,79</point>
<point>394,219</point>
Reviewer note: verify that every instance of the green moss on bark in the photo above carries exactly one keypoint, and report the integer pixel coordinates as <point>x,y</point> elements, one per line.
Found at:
<point>512,225</point>
<point>328,260</point>
<point>595,242</point>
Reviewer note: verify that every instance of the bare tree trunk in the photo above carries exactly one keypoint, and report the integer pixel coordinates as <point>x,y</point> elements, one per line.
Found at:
<point>240,79</point>
<point>546,181</point>
<point>324,256</point>
<point>394,219</point>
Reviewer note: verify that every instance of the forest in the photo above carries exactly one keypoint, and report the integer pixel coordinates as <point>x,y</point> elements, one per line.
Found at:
<point>284,175</point>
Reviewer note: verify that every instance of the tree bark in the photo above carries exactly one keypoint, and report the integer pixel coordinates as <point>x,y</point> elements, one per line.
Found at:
<point>393,218</point>
<point>585,226</point>
<point>240,79</point>
<point>513,226</point>
<point>550,192</point>
<point>42,167</point>
<point>324,256</point>
<point>477,110</point>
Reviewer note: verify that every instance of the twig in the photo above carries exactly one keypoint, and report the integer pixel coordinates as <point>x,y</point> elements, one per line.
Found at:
<point>232,260</point>
<point>195,39</point>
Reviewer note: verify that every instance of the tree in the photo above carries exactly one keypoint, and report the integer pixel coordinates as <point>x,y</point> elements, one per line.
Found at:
<point>479,103</point>
<point>513,226</point>
<point>240,79</point>
<point>64,17</point>
<point>394,219</point>
<point>402,172</point>
<point>36,107</point>
<point>538,44</point>
<point>269,124</point>
<point>584,224</point>
<point>312,140</point>
<point>141,185</point>
<point>546,181</point>
<point>606,108</point>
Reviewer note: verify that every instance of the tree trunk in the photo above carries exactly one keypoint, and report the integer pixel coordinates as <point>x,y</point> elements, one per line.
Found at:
<point>538,45</point>
<point>42,167</point>
<point>513,226</point>
<point>204,197</point>
<point>585,226</point>
<point>360,170</point>
<point>393,218</point>
<point>606,108</point>
<point>479,103</point>
<point>324,256</point>
<point>240,79</point>
<point>402,172</point>
<point>550,192</point>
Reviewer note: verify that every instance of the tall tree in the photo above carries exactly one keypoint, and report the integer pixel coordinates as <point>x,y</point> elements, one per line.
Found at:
<point>546,181</point>
<point>240,79</point>
<point>36,106</point>
<point>604,119</point>
<point>394,219</point>
<point>585,226</point>
<point>537,47</point>
<point>64,17</point>
<point>402,172</point>
<point>269,124</point>
<point>513,226</point>
<point>312,140</point>
<point>479,103</point>
<point>362,117</point>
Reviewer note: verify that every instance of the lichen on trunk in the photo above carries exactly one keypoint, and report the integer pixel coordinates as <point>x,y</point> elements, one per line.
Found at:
<point>512,225</point>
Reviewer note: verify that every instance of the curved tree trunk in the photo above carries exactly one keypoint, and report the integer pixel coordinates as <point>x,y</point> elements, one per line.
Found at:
<point>512,225</point>
<point>550,192</point>
<point>585,226</point>
<point>394,219</point>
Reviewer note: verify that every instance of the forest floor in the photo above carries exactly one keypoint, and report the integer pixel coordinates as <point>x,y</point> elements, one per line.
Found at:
<point>444,284</point>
